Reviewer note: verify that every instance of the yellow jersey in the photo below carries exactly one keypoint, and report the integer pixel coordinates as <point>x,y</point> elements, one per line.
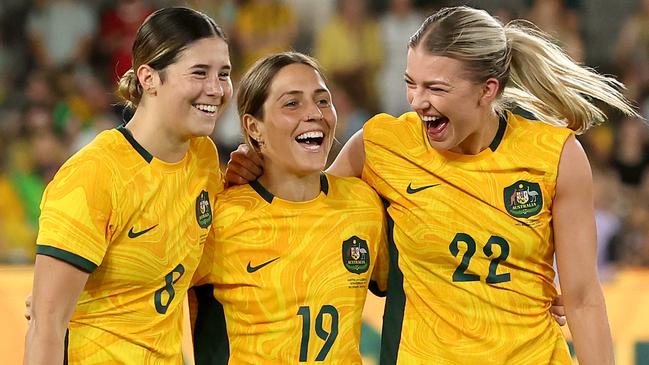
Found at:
<point>285,282</point>
<point>138,225</point>
<point>471,244</point>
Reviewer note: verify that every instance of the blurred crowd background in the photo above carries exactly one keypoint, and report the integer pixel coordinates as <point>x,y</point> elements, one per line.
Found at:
<point>60,61</point>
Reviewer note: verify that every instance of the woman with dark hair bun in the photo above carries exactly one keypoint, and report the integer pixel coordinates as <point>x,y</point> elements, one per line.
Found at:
<point>124,221</point>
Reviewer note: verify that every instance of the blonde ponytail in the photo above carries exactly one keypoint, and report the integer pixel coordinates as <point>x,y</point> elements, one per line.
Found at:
<point>533,72</point>
<point>544,80</point>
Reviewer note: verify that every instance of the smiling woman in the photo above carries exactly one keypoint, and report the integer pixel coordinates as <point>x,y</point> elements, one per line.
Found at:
<point>286,278</point>
<point>125,220</point>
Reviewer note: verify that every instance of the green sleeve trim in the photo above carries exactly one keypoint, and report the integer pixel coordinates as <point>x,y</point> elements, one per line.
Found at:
<point>69,257</point>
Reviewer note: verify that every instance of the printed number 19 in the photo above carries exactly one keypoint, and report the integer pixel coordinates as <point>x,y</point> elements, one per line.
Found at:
<point>327,336</point>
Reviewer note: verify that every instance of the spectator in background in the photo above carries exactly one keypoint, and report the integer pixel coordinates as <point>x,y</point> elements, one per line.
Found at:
<point>262,27</point>
<point>350,48</point>
<point>61,32</point>
<point>632,52</point>
<point>555,18</point>
<point>631,156</point>
<point>119,24</point>
<point>397,25</point>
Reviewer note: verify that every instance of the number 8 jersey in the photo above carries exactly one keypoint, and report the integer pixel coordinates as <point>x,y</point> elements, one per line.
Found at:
<point>471,244</point>
<point>138,225</point>
<point>285,282</point>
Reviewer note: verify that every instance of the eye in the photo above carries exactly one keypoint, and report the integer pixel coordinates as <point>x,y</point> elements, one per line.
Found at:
<point>410,84</point>
<point>200,74</point>
<point>324,103</point>
<point>291,103</point>
<point>436,89</point>
<point>224,75</point>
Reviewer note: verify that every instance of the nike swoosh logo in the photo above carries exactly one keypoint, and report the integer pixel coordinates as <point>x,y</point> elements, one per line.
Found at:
<point>132,234</point>
<point>411,190</point>
<point>252,269</point>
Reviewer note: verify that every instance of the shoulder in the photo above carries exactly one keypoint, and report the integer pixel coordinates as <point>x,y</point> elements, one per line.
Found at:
<point>97,158</point>
<point>385,124</point>
<point>235,202</point>
<point>538,133</point>
<point>205,148</point>
<point>353,190</point>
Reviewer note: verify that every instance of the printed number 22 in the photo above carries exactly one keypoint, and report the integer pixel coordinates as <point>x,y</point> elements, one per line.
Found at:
<point>460,272</point>
<point>168,288</point>
<point>327,336</point>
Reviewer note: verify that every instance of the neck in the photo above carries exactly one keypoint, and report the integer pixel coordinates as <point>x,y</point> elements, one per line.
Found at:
<point>482,138</point>
<point>289,186</point>
<point>149,132</point>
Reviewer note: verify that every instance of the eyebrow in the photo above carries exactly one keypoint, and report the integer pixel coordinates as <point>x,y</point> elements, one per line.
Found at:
<point>428,83</point>
<point>297,92</point>
<point>207,67</point>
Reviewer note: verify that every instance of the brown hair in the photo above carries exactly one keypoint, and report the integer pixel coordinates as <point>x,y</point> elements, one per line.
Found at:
<point>160,40</point>
<point>534,73</point>
<point>255,84</point>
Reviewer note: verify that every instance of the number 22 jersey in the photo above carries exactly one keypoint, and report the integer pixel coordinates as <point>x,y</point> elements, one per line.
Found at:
<point>138,225</point>
<point>471,244</point>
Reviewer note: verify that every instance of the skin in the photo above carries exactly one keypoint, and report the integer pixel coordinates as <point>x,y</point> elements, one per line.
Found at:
<point>439,86</point>
<point>298,101</point>
<point>164,123</point>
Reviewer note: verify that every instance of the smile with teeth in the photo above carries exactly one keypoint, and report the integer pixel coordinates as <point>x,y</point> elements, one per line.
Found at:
<point>311,139</point>
<point>206,108</point>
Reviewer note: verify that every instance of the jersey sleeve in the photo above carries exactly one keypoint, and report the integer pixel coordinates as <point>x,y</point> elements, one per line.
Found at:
<point>76,212</point>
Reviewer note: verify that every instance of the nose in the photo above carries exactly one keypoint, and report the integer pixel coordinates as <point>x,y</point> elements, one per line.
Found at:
<point>418,100</point>
<point>314,112</point>
<point>214,88</point>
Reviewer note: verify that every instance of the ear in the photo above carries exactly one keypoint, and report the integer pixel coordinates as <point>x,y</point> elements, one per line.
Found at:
<point>148,78</point>
<point>253,127</point>
<point>490,91</point>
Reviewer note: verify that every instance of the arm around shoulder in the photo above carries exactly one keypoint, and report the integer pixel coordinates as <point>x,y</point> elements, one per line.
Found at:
<point>351,159</point>
<point>56,290</point>
<point>573,216</point>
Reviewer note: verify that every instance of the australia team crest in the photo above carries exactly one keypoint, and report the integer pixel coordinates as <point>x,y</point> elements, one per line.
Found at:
<point>356,255</point>
<point>523,199</point>
<point>203,210</point>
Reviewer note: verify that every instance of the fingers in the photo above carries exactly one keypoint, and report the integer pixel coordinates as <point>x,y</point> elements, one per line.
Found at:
<point>558,300</point>
<point>28,307</point>
<point>244,166</point>
<point>561,320</point>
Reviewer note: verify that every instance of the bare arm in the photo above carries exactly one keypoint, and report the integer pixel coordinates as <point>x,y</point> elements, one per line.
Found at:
<point>573,217</point>
<point>351,158</point>
<point>57,287</point>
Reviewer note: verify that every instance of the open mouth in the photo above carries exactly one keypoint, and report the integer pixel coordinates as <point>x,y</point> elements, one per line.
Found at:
<point>310,140</point>
<point>207,108</point>
<point>435,125</point>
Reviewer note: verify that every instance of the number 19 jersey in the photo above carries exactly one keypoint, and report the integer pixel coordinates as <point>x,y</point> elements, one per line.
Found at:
<point>138,226</point>
<point>471,244</point>
<point>289,279</point>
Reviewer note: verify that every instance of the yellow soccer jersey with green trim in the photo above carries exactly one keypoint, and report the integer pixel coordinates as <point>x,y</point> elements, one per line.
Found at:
<point>289,279</point>
<point>138,225</point>
<point>470,242</point>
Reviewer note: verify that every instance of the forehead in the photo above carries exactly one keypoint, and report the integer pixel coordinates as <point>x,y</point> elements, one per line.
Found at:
<point>296,77</point>
<point>422,66</point>
<point>212,51</point>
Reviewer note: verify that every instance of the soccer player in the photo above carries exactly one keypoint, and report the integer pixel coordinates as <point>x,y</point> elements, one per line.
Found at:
<point>286,279</point>
<point>480,199</point>
<point>124,221</point>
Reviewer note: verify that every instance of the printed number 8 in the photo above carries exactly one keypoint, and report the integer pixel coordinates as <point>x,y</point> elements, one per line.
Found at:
<point>169,288</point>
